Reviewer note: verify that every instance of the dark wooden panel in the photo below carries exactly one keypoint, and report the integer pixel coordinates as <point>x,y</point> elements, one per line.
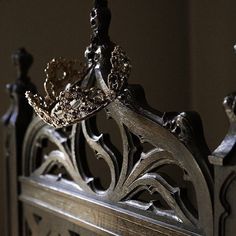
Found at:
<point>62,200</point>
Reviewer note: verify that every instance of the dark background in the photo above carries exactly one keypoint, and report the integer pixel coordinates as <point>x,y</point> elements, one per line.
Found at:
<point>181,50</point>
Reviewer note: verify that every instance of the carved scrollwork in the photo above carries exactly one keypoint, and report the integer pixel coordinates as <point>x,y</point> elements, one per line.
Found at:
<point>133,170</point>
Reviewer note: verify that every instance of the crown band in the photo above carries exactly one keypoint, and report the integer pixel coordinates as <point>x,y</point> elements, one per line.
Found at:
<point>68,101</point>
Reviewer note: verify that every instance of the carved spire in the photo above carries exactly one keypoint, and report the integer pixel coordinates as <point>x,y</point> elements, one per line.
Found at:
<point>22,60</point>
<point>100,19</point>
<point>16,120</point>
<point>80,94</point>
<point>225,152</point>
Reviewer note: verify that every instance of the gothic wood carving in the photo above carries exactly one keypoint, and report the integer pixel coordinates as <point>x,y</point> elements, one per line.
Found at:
<point>16,119</point>
<point>158,177</point>
<point>175,140</point>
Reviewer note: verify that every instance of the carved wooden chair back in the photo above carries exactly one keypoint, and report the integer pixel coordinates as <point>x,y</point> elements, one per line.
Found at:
<point>160,181</point>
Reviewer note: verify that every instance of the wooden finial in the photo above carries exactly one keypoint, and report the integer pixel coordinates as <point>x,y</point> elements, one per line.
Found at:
<point>22,61</point>
<point>100,19</point>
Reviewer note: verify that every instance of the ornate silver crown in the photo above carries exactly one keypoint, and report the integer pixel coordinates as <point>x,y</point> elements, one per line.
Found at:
<point>70,98</point>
